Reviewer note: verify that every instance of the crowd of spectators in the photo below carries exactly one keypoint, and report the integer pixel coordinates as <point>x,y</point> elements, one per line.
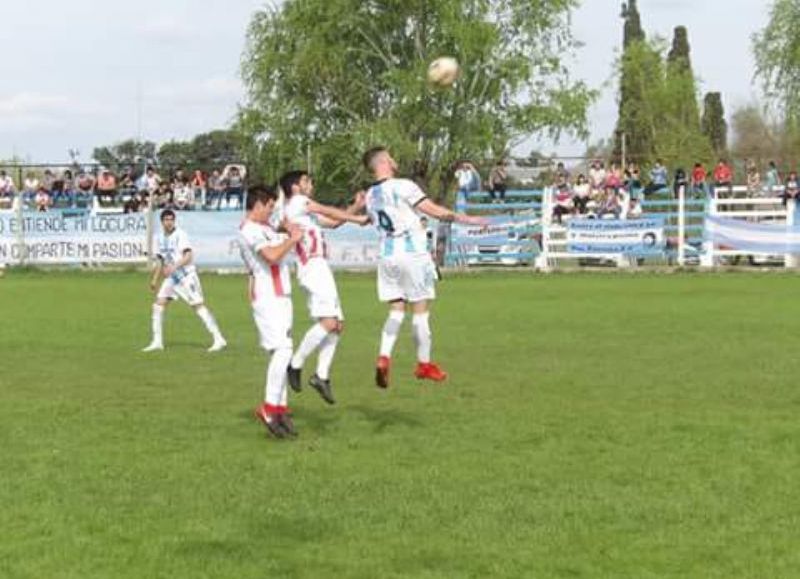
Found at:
<point>127,190</point>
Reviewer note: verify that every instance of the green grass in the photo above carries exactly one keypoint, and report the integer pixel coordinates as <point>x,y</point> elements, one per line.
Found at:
<point>593,426</point>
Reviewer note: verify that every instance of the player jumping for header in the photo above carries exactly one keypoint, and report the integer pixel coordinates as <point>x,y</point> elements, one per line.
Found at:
<point>406,272</point>
<point>175,265</point>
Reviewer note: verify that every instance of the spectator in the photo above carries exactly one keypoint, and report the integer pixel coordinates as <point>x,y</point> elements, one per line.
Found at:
<point>234,178</point>
<point>659,179</point>
<point>6,191</point>
<point>634,181</point>
<point>497,181</point>
<point>469,180</point>
<point>581,194</point>
<point>753,180</point>
<point>772,180</point>
<point>610,204</point>
<point>563,203</point>
<point>127,186</point>
<point>199,186</point>
<point>723,176</point>
<point>30,187</point>
<point>699,177</point>
<point>680,181</point>
<point>597,178</point>
<point>66,190</point>
<point>85,188</point>
<point>791,188</point>
<point>106,188</point>
<point>162,198</point>
<point>42,199</point>
<point>182,196</point>
<point>48,181</point>
<point>216,188</point>
<point>614,178</point>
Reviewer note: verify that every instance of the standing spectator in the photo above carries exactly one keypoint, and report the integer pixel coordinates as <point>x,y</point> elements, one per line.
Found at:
<point>581,194</point>
<point>659,178</point>
<point>469,180</point>
<point>42,199</point>
<point>792,187</point>
<point>699,177</point>
<point>85,188</point>
<point>106,187</point>
<point>614,178</point>
<point>6,191</point>
<point>199,187</point>
<point>772,180</point>
<point>753,180</point>
<point>680,181</point>
<point>497,181</point>
<point>723,176</point>
<point>234,178</point>
<point>48,181</point>
<point>597,178</point>
<point>216,188</point>
<point>30,187</point>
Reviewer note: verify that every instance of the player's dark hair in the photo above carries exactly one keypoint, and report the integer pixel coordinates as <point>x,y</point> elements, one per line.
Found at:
<point>260,193</point>
<point>166,213</point>
<point>369,156</point>
<point>289,180</point>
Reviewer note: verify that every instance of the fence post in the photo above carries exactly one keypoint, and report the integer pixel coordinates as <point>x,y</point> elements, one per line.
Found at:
<point>682,225</point>
<point>790,259</point>
<point>542,260</point>
<point>708,258</point>
<point>18,210</point>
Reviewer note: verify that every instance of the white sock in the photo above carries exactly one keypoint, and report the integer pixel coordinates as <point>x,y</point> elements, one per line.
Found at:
<point>422,336</point>
<point>391,329</point>
<point>311,341</point>
<point>276,377</point>
<point>158,324</point>
<point>326,352</point>
<point>210,323</point>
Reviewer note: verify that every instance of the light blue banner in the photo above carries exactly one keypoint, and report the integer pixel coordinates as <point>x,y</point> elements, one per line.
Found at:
<point>601,236</point>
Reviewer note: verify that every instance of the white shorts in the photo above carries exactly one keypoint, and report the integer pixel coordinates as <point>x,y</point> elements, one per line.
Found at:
<point>188,289</point>
<point>273,317</point>
<point>316,278</point>
<point>409,277</point>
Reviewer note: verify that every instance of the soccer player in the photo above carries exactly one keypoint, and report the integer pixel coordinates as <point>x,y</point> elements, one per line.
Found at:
<point>264,251</point>
<point>316,278</point>
<point>180,280</point>
<point>406,272</point>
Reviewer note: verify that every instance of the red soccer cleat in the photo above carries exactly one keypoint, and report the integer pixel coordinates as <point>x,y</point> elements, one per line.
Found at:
<point>271,420</point>
<point>430,371</point>
<point>382,371</point>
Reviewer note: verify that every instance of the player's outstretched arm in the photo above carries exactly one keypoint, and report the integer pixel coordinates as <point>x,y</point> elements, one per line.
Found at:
<point>435,211</point>
<point>335,214</point>
<point>273,255</point>
<point>355,208</point>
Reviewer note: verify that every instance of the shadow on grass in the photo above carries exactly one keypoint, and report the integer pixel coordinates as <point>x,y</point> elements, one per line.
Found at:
<point>382,419</point>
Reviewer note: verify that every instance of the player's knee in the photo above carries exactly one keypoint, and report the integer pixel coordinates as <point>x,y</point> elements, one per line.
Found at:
<point>329,324</point>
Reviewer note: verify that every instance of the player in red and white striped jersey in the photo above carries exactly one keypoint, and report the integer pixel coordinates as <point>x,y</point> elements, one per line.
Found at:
<point>316,278</point>
<point>264,251</point>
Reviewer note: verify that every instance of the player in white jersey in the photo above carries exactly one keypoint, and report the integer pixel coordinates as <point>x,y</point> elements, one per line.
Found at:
<point>264,251</point>
<point>316,278</point>
<point>406,271</point>
<point>180,280</point>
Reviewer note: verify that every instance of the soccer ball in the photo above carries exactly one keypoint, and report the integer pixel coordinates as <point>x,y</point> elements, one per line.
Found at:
<point>443,71</point>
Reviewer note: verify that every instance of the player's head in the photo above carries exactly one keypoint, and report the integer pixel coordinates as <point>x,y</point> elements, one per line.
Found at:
<point>168,220</point>
<point>295,182</point>
<point>260,202</point>
<point>379,162</point>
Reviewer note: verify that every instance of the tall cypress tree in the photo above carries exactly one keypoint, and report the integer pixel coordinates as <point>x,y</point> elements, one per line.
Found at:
<point>633,24</point>
<point>714,126</point>
<point>631,90</point>
<point>681,79</point>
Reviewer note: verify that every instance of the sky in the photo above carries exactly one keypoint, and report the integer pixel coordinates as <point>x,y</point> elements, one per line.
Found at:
<point>85,73</point>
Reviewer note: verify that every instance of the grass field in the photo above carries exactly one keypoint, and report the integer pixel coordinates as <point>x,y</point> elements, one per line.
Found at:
<point>594,426</point>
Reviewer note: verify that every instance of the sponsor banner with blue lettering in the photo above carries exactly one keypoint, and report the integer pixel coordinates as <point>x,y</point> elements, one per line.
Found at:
<point>500,231</point>
<point>601,236</point>
<point>754,237</point>
<point>55,238</point>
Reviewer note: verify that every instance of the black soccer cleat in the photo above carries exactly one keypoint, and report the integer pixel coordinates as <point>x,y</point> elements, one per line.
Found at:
<point>323,387</point>
<point>293,374</point>
<point>287,424</point>
<point>271,421</point>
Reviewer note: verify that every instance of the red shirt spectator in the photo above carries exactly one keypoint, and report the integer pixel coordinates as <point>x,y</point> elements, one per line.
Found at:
<point>699,174</point>
<point>723,175</point>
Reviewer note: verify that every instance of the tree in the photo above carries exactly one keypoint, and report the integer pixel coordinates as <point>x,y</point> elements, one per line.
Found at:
<point>681,106</point>
<point>777,54</point>
<point>633,31</point>
<point>713,124</point>
<point>207,151</point>
<point>125,154</point>
<point>761,137</point>
<point>321,94</point>
<point>632,86</point>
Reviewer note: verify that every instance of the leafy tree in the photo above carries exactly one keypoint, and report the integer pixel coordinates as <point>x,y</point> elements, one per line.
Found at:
<point>763,137</point>
<point>327,78</point>
<point>207,151</point>
<point>713,124</point>
<point>125,154</point>
<point>777,53</point>
<point>632,86</point>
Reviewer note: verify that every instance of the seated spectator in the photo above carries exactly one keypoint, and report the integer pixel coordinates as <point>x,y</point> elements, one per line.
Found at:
<point>659,179</point>
<point>234,177</point>
<point>216,188</point>
<point>134,203</point>
<point>127,186</point>
<point>57,194</point>
<point>198,184</point>
<point>6,191</point>
<point>563,203</point>
<point>85,189</point>
<point>698,184</point>
<point>634,181</point>
<point>791,188</point>
<point>610,205</point>
<point>162,198</point>
<point>772,180</point>
<point>497,181</point>
<point>581,192</point>
<point>30,187</point>
<point>42,199</point>
<point>753,180</point>
<point>614,178</point>
<point>680,181</point>
<point>182,194</point>
<point>48,181</point>
<point>562,178</point>
<point>106,187</point>
<point>723,176</point>
<point>597,178</point>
